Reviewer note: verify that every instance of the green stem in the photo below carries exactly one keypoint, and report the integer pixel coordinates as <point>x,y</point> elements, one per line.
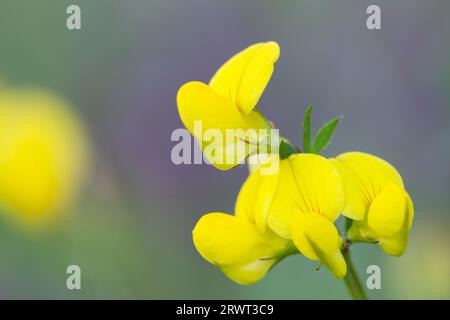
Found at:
<point>351,278</point>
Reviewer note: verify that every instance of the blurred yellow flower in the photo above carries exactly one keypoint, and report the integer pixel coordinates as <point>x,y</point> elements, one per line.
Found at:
<point>377,201</point>
<point>228,103</point>
<point>43,155</point>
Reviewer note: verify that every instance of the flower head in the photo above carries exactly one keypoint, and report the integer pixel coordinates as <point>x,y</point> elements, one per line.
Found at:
<point>377,201</point>
<point>308,198</point>
<point>228,103</point>
<point>291,200</point>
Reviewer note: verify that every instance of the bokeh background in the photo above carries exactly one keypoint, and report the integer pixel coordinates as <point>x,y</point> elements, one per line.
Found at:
<point>130,228</point>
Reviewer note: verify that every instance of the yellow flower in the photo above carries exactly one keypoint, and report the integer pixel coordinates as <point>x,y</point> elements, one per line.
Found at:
<point>43,155</point>
<point>308,199</point>
<point>243,250</point>
<point>228,103</point>
<point>297,205</point>
<point>377,201</point>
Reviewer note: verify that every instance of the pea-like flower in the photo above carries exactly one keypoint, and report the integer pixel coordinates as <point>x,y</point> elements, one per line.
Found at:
<point>228,104</point>
<point>377,201</point>
<point>43,155</point>
<point>275,213</point>
<point>307,200</point>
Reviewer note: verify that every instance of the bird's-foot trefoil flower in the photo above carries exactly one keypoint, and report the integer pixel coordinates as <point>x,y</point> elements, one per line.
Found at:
<point>302,206</point>
<point>292,206</point>
<point>228,103</point>
<point>376,200</point>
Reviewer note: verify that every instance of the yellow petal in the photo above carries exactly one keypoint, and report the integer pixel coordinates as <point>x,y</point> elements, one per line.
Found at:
<point>234,245</point>
<point>395,245</point>
<point>258,159</point>
<point>319,184</point>
<point>410,207</point>
<point>388,213</point>
<point>198,102</point>
<point>364,177</point>
<point>387,222</point>
<point>317,239</point>
<point>211,118</point>
<point>256,195</point>
<point>308,183</point>
<point>243,78</point>
<point>357,201</point>
<point>285,202</point>
<point>390,218</point>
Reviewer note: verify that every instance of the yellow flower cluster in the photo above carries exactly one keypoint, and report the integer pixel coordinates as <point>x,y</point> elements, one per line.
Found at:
<point>294,209</point>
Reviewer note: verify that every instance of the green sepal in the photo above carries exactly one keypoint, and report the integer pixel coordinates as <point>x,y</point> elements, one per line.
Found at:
<point>286,149</point>
<point>348,224</point>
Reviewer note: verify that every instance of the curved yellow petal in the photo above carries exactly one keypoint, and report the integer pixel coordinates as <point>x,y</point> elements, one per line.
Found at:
<point>284,203</point>
<point>226,135</point>
<point>388,213</point>
<point>376,199</point>
<point>410,207</point>
<point>256,195</point>
<point>254,161</point>
<point>387,222</point>
<point>357,202</point>
<point>244,204</point>
<point>318,239</point>
<point>395,245</point>
<point>319,184</point>
<point>234,244</point>
<point>308,183</point>
<point>364,177</point>
<point>243,78</point>
<point>198,102</point>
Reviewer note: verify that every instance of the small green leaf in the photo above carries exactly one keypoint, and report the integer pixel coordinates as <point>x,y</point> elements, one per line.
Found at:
<point>307,130</point>
<point>324,135</point>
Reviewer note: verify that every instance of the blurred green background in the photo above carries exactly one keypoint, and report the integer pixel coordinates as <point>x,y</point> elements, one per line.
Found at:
<point>130,230</point>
